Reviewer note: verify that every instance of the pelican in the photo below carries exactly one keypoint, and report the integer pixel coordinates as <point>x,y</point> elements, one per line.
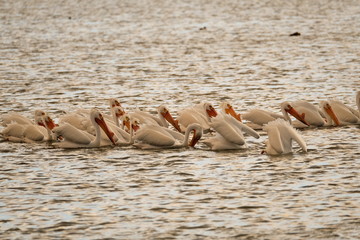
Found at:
<point>300,110</point>
<point>149,137</point>
<point>256,117</point>
<point>14,117</point>
<point>114,102</point>
<point>280,136</point>
<point>165,117</point>
<point>340,113</point>
<point>227,108</point>
<point>21,130</point>
<point>117,113</point>
<point>78,119</point>
<point>75,138</point>
<point>200,113</point>
<point>311,115</point>
<point>228,133</point>
<point>126,138</point>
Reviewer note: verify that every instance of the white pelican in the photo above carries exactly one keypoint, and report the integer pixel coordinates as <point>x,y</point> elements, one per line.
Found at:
<point>126,138</point>
<point>300,110</point>
<point>228,133</point>
<point>117,113</point>
<point>149,137</point>
<point>280,136</point>
<point>340,113</point>
<point>14,117</point>
<point>114,102</point>
<point>311,114</point>
<point>255,118</point>
<point>227,108</point>
<point>165,116</point>
<point>75,138</point>
<point>200,113</point>
<point>19,130</point>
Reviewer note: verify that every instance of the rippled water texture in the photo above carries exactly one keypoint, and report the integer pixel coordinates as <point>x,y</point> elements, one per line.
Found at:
<point>63,55</point>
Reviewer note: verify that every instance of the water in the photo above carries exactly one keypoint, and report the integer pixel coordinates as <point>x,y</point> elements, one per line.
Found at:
<point>77,54</point>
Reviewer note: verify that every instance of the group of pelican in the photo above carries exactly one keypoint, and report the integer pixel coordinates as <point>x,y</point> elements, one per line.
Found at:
<point>222,130</point>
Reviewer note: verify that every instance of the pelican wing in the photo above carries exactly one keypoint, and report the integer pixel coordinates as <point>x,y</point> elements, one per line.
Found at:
<point>78,121</point>
<point>14,130</point>
<point>220,143</point>
<point>275,140</point>
<point>72,134</point>
<point>144,118</point>
<point>260,117</point>
<point>14,117</point>
<point>151,136</point>
<point>149,116</point>
<point>242,126</point>
<point>226,130</point>
<point>343,112</point>
<point>189,116</point>
<point>175,134</point>
<point>295,135</point>
<point>305,105</point>
<point>33,133</point>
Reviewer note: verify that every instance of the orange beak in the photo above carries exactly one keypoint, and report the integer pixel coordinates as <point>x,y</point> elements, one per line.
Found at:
<point>295,114</point>
<point>194,139</point>
<point>171,120</point>
<point>119,113</point>
<point>232,112</point>
<point>41,124</point>
<point>331,113</point>
<point>127,123</point>
<point>135,127</point>
<point>211,112</point>
<point>104,127</point>
<point>50,123</point>
<point>116,103</point>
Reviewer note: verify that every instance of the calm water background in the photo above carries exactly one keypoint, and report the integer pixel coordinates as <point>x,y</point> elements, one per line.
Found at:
<point>60,56</point>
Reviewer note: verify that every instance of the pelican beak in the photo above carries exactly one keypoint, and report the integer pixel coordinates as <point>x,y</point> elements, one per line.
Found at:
<point>331,113</point>
<point>49,123</point>
<point>104,127</point>
<point>295,114</point>
<point>171,120</point>
<point>41,124</point>
<point>135,127</point>
<point>126,123</point>
<point>230,110</point>
<point>119,113</point>
<point>211,112</point>
<point>195,139</point>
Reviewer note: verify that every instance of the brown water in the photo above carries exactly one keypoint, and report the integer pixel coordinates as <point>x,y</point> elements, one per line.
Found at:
<point>60,56</point>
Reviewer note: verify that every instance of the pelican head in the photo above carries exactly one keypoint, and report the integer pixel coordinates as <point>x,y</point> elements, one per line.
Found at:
<point>210,110</point>
<point>228,109</point>
<point>197,133</point>
<point>288,108</point>
<point>126,121</point>
<point>135,124</point>
<point>98,118</point>
<point>329,111</point>
<point>114,102</point>
<point>166,114</point>
<point>118,111</point>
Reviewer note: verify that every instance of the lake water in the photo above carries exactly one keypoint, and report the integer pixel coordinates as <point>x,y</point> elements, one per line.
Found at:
<point>61,56</point>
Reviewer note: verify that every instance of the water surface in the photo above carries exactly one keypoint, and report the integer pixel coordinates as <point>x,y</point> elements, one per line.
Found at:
<point>76,54</point>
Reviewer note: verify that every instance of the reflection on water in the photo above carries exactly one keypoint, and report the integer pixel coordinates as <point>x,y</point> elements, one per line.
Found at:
<point>60,57</point>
